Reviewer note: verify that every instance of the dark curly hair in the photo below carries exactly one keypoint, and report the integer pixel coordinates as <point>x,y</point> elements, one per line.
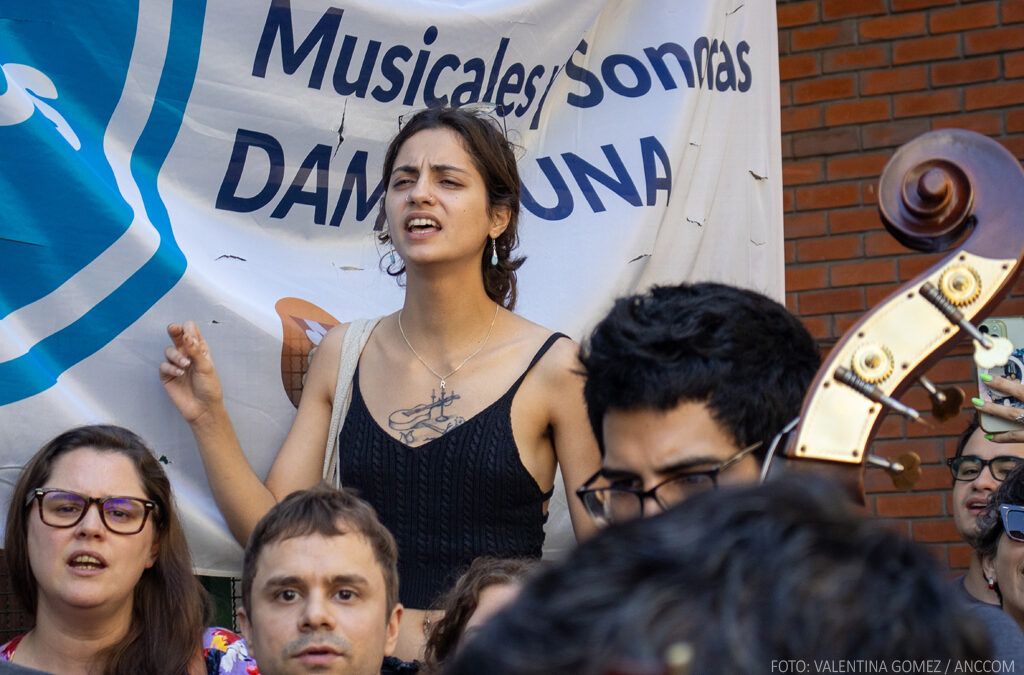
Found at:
<point>495,159</point>
<point>462,600</point>
<point>738,352</point>
<point>990,523</point>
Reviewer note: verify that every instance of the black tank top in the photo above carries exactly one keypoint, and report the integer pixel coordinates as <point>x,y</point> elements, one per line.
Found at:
<point>457,497</point>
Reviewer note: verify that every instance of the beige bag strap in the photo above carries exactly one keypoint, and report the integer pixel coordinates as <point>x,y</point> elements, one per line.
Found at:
<point>351,347</point>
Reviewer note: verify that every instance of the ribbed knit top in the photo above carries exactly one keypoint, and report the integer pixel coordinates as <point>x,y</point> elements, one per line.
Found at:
<point>456,497</point>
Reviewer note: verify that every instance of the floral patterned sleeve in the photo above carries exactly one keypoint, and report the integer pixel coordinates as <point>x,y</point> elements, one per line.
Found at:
<point>225,653</point>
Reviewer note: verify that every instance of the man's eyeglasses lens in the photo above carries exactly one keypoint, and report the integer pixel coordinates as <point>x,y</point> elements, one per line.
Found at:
<point>968,467</point>
<point>123,515</point>
<point>615,504</point>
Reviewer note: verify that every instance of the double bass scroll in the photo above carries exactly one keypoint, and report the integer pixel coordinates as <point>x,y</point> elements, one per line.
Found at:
<point>942,188</point>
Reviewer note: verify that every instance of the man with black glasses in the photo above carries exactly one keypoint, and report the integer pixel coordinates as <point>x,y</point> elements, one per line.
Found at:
<point>686,388</point>
<point>978,467</point>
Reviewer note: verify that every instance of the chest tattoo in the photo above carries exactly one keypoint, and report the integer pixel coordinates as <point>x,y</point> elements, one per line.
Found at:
<point>426,421</point>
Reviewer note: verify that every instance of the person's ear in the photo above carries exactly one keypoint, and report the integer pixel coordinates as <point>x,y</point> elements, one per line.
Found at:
<point>244,626</point>
<point>988,568</point>
<point>500,217</point>
<point>391,635</point>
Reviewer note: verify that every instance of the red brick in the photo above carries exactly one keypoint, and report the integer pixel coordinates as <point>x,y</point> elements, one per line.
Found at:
<point>806,277</point>
<point>840,9</point>
<point>1015,145</point>
<point>796,67</point>
<point>988,123</point>
<point>789,250</point>
<point>830,142</point>
<point>801,173</point>
<point>963,18</point>
<point>834,300</point>
<point>895,80</point>
<point>857,166</point>
<point>785,97</point>
<point>888,27</point>
<point>994,95</point>
<point>787,200</point>
<point>853,220</point>
<point>799,119</point>
<point>823,89</point>
<point>878,244</point>
<point>930,103</point>
<point>877,294</point>
<point>869,192</point>
<point>913,265</point>
<point>959,556</point>
<point>864,272</point>
<point>838,60</point>
<point>817,326</point>
<point>833,35</point>
<point>904,5</point>
<point>994,40</point>
<point>950,369</point>
<point>1013,11</point>
<point>969,70</point>
<point>909,505</point>
<point>857,112</point>
<point>1013,65</point>
<point>927,450</point>
<point>797,225</point>
<point>791,306</point>
<point>925,49</point>
<point>828,248</point>
<point>936,530</point>
<point>826,196</point>
<point>932,477</point>
<point>1014,123</point>
<point>796,14</point>
<point>891,134</point>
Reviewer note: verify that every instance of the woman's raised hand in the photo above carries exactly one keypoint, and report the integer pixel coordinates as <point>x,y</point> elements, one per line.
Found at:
<point>188,374</point>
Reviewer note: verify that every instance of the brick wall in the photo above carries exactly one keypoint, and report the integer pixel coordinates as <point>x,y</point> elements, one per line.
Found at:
<point>859,78</point>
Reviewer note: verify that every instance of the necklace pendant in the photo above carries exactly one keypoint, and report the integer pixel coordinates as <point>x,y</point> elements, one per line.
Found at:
<point>442,387</point>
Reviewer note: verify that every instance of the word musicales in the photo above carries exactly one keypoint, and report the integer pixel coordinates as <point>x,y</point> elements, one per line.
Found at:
<point>515,89</point>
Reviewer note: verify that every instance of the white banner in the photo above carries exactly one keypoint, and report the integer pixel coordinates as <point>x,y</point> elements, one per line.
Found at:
<point>221,161</point>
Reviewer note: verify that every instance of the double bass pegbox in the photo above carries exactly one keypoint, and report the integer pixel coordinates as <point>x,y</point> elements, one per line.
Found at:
<point>944,187</point>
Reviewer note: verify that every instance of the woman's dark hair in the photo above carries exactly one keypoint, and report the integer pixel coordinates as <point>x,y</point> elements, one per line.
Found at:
<point>169,610</point>
<point>494,158</point>
<point>990,523</point>
<point>462,600</point>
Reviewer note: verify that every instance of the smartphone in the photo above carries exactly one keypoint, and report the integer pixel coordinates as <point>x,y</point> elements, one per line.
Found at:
<point>1011,328</point>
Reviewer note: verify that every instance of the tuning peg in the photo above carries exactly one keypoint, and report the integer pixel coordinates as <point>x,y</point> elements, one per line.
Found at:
<point>946,402</point>
<point>905,471</point>
<point>850,379</point>
<point>933,295</point>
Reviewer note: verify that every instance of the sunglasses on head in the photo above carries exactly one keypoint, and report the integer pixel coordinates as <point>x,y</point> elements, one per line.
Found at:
<point>1013,521</point>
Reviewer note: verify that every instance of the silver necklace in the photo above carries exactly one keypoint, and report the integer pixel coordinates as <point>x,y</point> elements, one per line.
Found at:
<point>444,378</point>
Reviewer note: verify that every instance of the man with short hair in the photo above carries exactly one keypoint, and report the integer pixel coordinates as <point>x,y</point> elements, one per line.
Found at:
<point>782,577</point>
<point>686,388</point>
<point>320,586</point>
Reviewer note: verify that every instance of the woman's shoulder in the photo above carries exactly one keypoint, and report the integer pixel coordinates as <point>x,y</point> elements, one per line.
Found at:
<point>225,653</point>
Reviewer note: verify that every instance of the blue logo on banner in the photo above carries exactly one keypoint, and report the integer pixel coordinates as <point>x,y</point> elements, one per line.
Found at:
<point>62,207</point>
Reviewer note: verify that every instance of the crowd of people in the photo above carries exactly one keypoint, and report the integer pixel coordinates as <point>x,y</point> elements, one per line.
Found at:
<point>400,527</point>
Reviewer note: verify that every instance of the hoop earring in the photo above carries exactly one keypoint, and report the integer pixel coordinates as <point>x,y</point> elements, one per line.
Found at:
<point>494,251</point>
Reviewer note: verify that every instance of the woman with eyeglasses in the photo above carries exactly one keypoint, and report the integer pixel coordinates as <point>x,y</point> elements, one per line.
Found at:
<point>96,553</point>
<point>1000,547</point>
<point>460,409</point>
